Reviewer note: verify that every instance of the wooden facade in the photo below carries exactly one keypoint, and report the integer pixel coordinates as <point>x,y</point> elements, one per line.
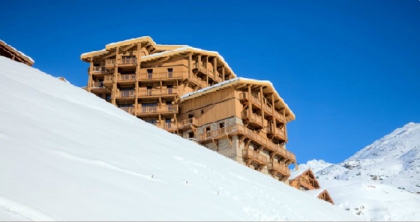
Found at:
<point>195,94</point>
<point>306,181</point>
<point>13,54</point>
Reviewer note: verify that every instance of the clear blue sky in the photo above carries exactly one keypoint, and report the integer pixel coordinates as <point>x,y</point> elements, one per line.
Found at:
<point>350,70</point>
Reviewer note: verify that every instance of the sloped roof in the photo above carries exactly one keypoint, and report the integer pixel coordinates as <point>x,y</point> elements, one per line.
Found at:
<point>319,193</point>
<point>298,173</point>
<point>236,81</point>
<point>168,50</point>
<point>18,53</point>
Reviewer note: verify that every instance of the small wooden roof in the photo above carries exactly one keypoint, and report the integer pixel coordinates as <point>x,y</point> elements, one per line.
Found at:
<point>15,54</point>
<point>160,51</point>
<point>268,88</point>
<point>295,175</point>
<point>321,194</point>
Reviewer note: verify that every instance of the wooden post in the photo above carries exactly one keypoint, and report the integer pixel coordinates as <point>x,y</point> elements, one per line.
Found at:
<point>285,130</point>
<point>89,86</point>
<point>215,68</point>
<point>207,73</point>
<point>274,117</point>
<point>262,106</point>
<point>138,68</point>
<point>190,68</point>
<point>249,101</point>
<point>223,73</point>
<point>114,88</point>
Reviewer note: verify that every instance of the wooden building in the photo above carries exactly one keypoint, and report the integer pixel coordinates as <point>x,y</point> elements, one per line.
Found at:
<point>13,54</point>
<point>305,180</point>
<point>195,94</point>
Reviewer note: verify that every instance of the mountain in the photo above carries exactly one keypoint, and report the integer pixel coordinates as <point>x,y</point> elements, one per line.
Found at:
<point>66,154</point>
<point>381,181</point>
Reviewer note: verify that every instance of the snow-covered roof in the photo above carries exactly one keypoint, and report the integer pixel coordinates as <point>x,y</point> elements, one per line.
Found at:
<point>19,53</point>
<point>168,50</point>
<point>296,173</point>
<point>240,80</point>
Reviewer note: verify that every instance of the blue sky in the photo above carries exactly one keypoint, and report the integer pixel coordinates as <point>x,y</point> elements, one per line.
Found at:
<point>350,70</point>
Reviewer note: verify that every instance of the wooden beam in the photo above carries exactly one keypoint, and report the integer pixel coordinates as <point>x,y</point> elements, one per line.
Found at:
<point>190,66</point>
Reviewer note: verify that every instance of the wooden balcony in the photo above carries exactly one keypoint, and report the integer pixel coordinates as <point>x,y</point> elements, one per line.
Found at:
<point>127,78</point>
<point>108,80</point>
<point>251,156</point>
<point>171,127</point>
<point>110,63</point>
<point>127,61</point>
<point>128,109</point>
<point>152,110</point>
<point>252,119</point>
<point>125,94</point>
<point>256,138</point>
<point>188,123</point>
<point>150,93</point>
<point>99,87</point>
<point>198,81</point>
<point>99,70</point>
<point>276,133</point>
<point>278,169</point>
<point>161,76</point>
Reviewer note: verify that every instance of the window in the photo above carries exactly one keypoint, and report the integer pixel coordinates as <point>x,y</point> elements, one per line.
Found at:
<point>168,123</point>
<point>221,125</point>
<point>191,135</point>
<point>170,72</point>
<point>169,89</point>
<point>151,121</point>
<point>190,116</point>
<point>149,107</point>
<point>149,91</point>
<point>149,73</point>
<point>202,111</point>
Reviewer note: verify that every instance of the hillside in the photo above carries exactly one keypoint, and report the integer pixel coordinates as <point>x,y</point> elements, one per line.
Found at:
<point>381,181</point>
<point>67,155</point>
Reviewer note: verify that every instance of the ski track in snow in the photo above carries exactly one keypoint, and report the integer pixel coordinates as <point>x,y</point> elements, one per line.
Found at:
<point>103,164</point>
<point>21,211</point>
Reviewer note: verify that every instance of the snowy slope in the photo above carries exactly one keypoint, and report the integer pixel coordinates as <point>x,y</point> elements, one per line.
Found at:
<point>381,181</point>
<point>67,155</point>
<point>393,160</point>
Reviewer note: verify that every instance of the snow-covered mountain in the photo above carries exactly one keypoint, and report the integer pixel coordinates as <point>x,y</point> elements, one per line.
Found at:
<point>65,154</point>
<point>393,160</point>
<point>381,181</point>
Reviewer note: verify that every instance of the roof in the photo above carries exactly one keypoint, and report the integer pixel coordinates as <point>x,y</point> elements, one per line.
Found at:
<point>17,52</point>
<point>168,50</point>
<point>296,173</point>
<point>237,81</point>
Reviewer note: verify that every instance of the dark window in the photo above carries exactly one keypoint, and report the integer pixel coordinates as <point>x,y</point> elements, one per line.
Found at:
<point>221,125</point>
<point>150,73</point>
<point>170,72</point>
<point>202,111</point>
<point>191,135</point>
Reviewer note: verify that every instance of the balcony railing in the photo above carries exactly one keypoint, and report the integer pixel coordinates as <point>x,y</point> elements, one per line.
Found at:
<point>252,118</point>
<point>110,62</point>
<point>97,85</point>
<point>156,92</point>
<point>108,79</point>
<point>128,109</point>
<point>265,105</point>
<point>127,77</point>
<point>126,94</point>
<point>99,70</point>
<point>279,167</point>
<point>128,60</point>
<point>277,132</point>
<point>169,126</point>
<point>161,75</point>
<point>172,108</point>
<point>275,149</point>
<point>254,156</point>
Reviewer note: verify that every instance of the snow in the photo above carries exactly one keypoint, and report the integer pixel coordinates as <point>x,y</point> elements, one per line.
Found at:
<point>21,53</point>
<point>66,154</point>
<point>220,84</point>
<point>102,51</point>
<point>384,175</point>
